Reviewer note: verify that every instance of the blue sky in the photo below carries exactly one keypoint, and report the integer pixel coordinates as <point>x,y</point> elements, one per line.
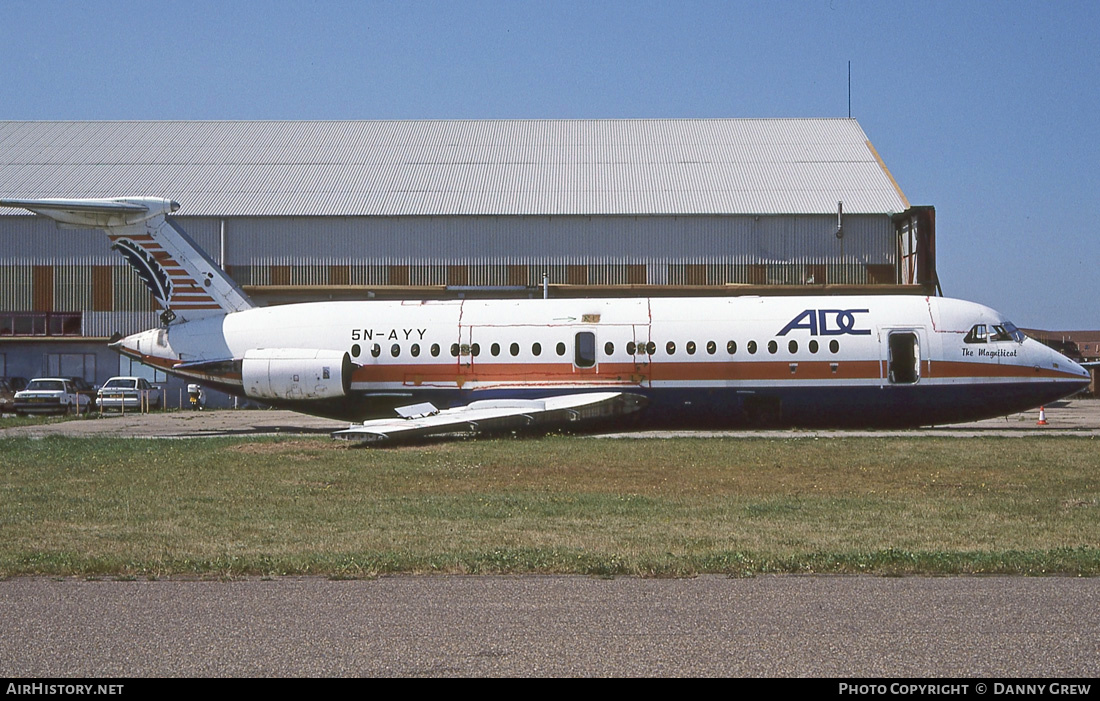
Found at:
<point>988,111</point>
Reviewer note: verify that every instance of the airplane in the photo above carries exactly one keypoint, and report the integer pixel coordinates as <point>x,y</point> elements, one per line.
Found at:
<point>468,367</point>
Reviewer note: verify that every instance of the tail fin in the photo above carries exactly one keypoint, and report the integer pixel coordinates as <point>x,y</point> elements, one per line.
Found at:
<point>184,280</point>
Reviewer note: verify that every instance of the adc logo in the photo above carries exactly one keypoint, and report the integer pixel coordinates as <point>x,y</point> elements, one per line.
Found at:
<point>827,322</point>
<point>147,267</point>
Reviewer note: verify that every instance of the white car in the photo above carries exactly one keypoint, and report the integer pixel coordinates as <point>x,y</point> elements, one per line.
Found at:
<point>50,395</point>
<point>127,393</point>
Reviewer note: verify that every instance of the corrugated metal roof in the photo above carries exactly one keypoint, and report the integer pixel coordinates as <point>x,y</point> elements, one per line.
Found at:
<point>506,167</point>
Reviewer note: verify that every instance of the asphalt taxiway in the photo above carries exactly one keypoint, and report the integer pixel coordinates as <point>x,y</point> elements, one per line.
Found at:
<point>775,626</point>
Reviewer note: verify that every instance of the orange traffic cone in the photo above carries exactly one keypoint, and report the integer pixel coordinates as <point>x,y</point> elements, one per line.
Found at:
<point>1042,416</point>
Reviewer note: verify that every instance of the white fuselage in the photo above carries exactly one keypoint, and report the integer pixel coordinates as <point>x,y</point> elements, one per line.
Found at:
<point>820,360</point>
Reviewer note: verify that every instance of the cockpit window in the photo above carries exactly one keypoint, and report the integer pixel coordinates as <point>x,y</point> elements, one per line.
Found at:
<point>994,333</point>
<point>977,334</point>
<point>1016,334</point>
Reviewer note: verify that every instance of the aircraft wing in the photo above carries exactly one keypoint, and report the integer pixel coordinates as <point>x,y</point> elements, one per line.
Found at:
<point>494,415</point>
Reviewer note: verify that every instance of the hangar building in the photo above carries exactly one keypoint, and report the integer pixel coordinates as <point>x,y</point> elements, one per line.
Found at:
<point>304,210</point>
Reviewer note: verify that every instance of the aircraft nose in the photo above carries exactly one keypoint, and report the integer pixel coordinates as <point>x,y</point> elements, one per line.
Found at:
<point>1071,369</point>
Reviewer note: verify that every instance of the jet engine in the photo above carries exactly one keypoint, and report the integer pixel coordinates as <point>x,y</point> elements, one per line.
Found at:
<point>295,373</point>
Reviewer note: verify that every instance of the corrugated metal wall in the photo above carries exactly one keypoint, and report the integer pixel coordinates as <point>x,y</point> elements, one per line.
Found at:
<point>43,268</point>
<point>570,239</point>
<point>518,250</point>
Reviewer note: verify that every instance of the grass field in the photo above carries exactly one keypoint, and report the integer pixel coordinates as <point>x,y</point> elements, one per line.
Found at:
<point>235,506</point>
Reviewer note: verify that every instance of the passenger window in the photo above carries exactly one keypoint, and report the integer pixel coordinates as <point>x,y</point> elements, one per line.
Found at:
<point>536,349</point>
<point>475,349</point>
<point>376,350</point>
<point>651,348</point>
<point>355,350</point>
<point>731,347</point>
<point>495,349</point>
<point>395,350</point>
<point>813,346</point>
<point>454,350</point>
<point>585,349</point>
<point>609,348</point>
<point>792,347</point>
<point>670,347</point>
<point>415,350</point>
<point>772,346</point>
<point>752,347</point>
<point>560,348</point>
<point>834,346</point>
<point>711,347</point>
<point>435,350</point>
<point>514,349</point>
<point>690,347</point>
<point>631,349</point>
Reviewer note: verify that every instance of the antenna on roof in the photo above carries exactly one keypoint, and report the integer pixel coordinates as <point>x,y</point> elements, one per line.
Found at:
<point>849,89</point>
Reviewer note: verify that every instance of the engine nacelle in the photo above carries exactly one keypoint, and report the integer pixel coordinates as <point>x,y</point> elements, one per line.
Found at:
<point>296,373</point>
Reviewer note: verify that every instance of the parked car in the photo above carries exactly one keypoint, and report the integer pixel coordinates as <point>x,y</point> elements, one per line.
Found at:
<point>126,393</point>
<point>7,396</point>
<point>50,395</point>
<point>84,387</point>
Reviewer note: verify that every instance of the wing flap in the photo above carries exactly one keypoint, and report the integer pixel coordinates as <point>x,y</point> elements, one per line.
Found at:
<point>496,415</point>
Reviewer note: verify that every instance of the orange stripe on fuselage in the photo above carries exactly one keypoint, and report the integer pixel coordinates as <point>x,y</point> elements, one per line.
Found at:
<point>766,370</point>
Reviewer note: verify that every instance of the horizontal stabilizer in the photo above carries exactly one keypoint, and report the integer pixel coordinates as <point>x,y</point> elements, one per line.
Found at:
<point>182,278</point>
<point>496,415</point>
<point>97,213</point>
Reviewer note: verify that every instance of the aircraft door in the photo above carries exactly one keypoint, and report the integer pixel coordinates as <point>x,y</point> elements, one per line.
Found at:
<point>903,356</point>
<point>644,348</point>
<point>468,350</point>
